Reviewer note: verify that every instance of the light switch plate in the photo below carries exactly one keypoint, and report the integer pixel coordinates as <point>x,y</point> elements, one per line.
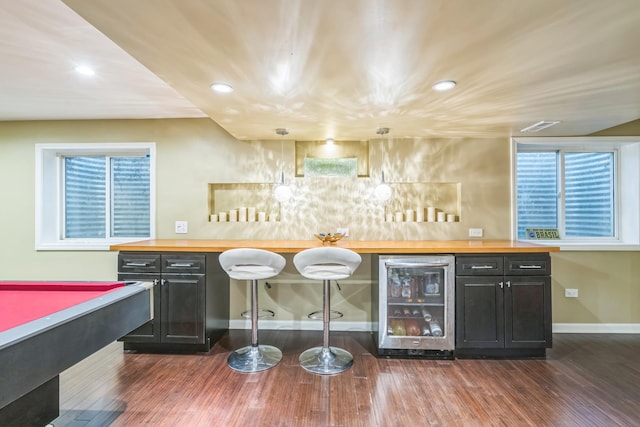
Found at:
<point>182,227</point>
<point>344,231</point>
<point>571,293</point>
<point>475,232</point>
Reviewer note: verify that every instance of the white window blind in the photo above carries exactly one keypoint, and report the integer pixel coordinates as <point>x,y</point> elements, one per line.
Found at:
<point>571,191</point>
<point>589,194</point>
<point>101,191</point>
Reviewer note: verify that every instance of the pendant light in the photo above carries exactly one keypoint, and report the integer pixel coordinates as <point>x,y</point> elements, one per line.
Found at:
<point>282,193</point>
<point>383,191</point>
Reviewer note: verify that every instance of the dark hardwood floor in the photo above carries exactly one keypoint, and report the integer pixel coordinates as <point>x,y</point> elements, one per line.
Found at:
<point>586,380</point>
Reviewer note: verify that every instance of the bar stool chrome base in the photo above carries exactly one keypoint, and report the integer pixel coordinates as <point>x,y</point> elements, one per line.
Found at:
<point>254,358</point>
<point>326,361</point>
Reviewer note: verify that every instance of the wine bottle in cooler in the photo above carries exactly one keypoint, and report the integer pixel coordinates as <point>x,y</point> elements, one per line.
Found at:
<point>398,327</point>
<point>406,288</point>
<point>425,330</point>
<point>395,290</point>
<point>426,314</point>
<point>436,330</point>
<point>412,327</point>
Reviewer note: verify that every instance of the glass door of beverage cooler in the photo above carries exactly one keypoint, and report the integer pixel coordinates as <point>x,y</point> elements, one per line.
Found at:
<point>416,310</point>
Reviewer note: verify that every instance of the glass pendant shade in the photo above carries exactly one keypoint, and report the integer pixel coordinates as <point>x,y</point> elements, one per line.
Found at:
<point>282,193</point>
<point>383,191</point>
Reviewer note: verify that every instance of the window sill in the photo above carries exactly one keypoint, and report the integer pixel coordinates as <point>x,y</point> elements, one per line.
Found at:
<point>587,246</point>
<point>104,245</point>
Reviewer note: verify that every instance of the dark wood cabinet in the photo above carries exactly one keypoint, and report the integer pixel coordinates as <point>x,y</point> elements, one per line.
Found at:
<point>191,300</point>
<point>503,305</point>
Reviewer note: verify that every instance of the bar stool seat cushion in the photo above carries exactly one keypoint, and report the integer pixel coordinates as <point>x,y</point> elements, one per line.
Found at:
<point>330,263</point>
<point>329,272</point>
<point>251,264</point>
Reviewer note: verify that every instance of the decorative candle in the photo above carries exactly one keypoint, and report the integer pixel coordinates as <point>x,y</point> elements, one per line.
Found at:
<point>431,214</point>
<point>389,217</point>
<point>273,217</point>
<point>242,214</point>
<point>451,218</point>
<point>213,218</point>
<point>409,215</point>
<point>252,214</point>
<point>262,217</point>
<point>222,216</point>
<point>420,214</point>
<point>441,216</point>
<point>233,215</point>
<point>399,217</point>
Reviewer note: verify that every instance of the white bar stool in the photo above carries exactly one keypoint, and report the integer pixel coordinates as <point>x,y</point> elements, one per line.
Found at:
<point>326,264</point>
<point>252,265</point>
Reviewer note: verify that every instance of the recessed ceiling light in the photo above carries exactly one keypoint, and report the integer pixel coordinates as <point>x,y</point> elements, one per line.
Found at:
<point>444,85</point>
<point>84,70</point>
<point>221,87</point>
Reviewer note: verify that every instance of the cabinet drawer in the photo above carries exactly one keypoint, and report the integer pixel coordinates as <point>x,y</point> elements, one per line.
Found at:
<point>479,265</point>
<point>138,263</point>
<point>529,265</point>
<point>183,263</point>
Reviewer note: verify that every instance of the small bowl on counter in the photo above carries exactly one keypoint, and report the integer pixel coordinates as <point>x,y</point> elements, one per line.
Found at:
<point>329,237</point>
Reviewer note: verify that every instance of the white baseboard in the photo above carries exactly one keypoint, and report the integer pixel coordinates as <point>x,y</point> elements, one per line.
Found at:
<point>596,328</point>
<point>314,325</point>
<point>301,325</point>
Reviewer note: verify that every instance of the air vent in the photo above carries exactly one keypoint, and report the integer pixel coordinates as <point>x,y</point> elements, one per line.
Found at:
<point>537,127</point>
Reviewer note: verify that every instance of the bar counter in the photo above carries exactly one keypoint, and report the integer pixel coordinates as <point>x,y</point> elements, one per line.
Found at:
<point>360,246</point>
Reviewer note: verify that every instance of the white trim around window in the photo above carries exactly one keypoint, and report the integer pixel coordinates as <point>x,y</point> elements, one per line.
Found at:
<point>48,191</point>
<point>628,187</point>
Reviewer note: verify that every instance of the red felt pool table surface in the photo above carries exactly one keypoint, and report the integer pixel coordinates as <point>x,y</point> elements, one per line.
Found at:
<point>22,302</point>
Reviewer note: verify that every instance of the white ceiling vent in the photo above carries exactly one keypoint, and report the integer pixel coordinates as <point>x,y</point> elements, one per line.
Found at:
<point>537,127</point>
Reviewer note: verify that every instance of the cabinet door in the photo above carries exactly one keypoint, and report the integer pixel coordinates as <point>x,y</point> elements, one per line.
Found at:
<point>479,312</point>
<point>527,311</point>
<point>150,331</point>
<point>183,300</point>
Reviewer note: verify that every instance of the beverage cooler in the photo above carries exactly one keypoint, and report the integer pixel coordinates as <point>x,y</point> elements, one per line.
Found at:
<point>413,305</point>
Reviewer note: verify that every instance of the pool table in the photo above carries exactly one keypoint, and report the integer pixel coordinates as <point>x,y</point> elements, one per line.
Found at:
<point>47,327</point>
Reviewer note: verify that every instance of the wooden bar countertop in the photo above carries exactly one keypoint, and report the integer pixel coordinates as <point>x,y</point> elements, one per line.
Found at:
<point>360,246</point>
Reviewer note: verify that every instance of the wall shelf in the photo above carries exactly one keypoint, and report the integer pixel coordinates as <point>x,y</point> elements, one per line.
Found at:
<point>227,197</point>
<point>343,195</point>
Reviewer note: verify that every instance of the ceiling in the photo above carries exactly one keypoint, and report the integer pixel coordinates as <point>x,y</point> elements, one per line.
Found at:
<point>327,68</point>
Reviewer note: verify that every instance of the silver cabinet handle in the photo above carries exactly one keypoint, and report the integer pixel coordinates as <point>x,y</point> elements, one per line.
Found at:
<point>412,265</point>
<point>508,283</point>
<point>482,267</point>
<point>501,285</point>
<point>137,264</point>
<point>531,267</point>
<point>181,264</point>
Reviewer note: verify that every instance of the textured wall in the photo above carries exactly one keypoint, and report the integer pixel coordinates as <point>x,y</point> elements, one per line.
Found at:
<point>194,153</point>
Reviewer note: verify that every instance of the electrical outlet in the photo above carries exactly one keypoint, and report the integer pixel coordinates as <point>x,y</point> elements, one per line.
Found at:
<point>344,231</point>
<point>475,232</point>
<point>571,293</point>
<point>182,227</point>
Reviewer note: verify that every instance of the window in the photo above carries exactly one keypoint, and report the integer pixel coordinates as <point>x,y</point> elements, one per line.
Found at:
<point>89,196</point>
<point>586,188</point>
<point>571,191</point>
